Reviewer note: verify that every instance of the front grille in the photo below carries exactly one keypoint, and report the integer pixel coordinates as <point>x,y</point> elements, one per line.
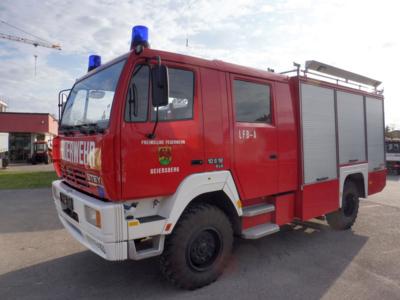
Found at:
<point>74,175</point>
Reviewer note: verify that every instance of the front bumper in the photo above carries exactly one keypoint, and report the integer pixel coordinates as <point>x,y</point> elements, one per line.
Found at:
<point>111,240</point>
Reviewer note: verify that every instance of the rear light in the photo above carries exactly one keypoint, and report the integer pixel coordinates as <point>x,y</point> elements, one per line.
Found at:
<point>56,155</point>
<point>93,216</point>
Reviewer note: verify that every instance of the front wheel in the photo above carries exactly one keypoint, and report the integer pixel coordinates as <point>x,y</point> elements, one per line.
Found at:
<point>344,217</point>
<point>199,247</point>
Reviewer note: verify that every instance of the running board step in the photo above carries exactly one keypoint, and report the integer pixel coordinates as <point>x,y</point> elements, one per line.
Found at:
<point>258,209</point>
<point>259,231</point>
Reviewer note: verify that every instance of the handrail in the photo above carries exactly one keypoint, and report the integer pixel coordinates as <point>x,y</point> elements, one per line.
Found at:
<point>337,80</point>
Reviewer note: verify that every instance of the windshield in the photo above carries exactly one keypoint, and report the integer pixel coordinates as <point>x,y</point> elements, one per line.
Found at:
<point>91,99</point>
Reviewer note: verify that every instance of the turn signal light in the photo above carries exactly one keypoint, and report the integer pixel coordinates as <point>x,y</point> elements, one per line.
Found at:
<point>93,216</point>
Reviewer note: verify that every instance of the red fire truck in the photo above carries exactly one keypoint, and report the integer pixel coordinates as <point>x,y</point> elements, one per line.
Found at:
<point>165,154</point>
<point>41,153</point>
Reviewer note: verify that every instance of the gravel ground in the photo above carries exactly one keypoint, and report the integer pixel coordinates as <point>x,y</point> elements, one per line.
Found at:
<point>39,260</point>
<point>28,168</point>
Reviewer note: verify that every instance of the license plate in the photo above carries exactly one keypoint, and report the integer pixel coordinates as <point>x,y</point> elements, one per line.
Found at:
<point>67,202</point>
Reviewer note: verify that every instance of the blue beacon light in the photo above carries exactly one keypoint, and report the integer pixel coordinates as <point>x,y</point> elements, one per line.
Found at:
<point>94,62</point>
<point>140,36</point>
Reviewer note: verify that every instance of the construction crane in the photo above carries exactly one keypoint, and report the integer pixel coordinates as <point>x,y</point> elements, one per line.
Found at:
<point>38,42</point>
<point>28,41</point>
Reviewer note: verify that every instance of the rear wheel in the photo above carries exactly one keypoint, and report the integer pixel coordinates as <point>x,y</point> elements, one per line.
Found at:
<point>199,247</point>
<point>345,216</point>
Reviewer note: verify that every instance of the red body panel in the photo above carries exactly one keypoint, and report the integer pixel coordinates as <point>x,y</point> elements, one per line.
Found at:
<point>284,209</point>
<point>254,145</point>
<point>376,181</point>
<point>319,199</point>
<point>56,156</point>
<point>79,174</point>
<point>215,116</point>
<point>287,139</point>
<point>142,174</point>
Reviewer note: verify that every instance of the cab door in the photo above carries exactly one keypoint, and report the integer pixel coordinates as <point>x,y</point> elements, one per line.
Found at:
<point>156,166</point>
<point>255,137</point>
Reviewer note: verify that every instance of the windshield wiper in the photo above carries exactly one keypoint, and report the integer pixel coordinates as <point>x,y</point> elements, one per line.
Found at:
<point>132,100</point>
<point>132,93</point>
<point>67,129</point>
<point>89,128</point>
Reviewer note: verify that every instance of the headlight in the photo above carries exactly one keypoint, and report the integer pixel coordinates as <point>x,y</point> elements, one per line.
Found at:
<point>93,216</point>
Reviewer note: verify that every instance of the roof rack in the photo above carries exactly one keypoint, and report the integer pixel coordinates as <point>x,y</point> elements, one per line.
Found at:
<point>340,76</point>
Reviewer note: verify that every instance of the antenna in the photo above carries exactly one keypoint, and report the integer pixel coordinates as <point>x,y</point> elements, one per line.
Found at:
<point>35,56</point>
<point>188,6</point>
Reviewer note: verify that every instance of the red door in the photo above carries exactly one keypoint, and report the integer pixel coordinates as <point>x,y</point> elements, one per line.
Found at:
<point>155,167</point>
<point>255,137</point>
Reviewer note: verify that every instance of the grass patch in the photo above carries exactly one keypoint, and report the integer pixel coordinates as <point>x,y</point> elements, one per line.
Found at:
<point>26,180</point>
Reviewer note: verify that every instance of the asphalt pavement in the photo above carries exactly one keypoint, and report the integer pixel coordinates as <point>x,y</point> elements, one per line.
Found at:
<point>39,260</point>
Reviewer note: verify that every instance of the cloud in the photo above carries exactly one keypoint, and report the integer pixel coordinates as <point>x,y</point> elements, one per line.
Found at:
<point>355,35</point>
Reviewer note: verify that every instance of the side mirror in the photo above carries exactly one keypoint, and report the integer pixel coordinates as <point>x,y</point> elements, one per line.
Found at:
<point>62,99</point>
<point>160,90</point>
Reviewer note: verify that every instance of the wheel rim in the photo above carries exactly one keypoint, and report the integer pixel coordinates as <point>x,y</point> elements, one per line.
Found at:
<point>204,249</point>
<point>349,205</point>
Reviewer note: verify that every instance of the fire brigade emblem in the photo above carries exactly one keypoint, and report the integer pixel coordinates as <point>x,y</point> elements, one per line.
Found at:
<point>165,155</point>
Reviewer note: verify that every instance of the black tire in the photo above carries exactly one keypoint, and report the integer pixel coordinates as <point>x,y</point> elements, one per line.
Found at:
<point>344,217</point>
<point>198,249</point>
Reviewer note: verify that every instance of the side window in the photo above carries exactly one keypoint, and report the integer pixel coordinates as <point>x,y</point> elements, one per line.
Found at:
<point>181,94</point>
<point>252,102</point>
<point>138,95</point>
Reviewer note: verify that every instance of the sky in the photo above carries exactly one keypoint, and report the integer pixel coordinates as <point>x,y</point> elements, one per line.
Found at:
<point>359,36</point>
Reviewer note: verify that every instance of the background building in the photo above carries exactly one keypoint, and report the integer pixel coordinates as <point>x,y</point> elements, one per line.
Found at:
<point>3,106</point>
<point>3,135</point>
<point>19,131</point>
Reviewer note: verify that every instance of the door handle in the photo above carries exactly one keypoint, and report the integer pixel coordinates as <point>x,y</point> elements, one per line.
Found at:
<point>322,178</point>
<point>273,156</point>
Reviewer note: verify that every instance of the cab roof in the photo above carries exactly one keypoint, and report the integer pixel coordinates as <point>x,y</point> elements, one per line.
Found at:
<point>195,61</point>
